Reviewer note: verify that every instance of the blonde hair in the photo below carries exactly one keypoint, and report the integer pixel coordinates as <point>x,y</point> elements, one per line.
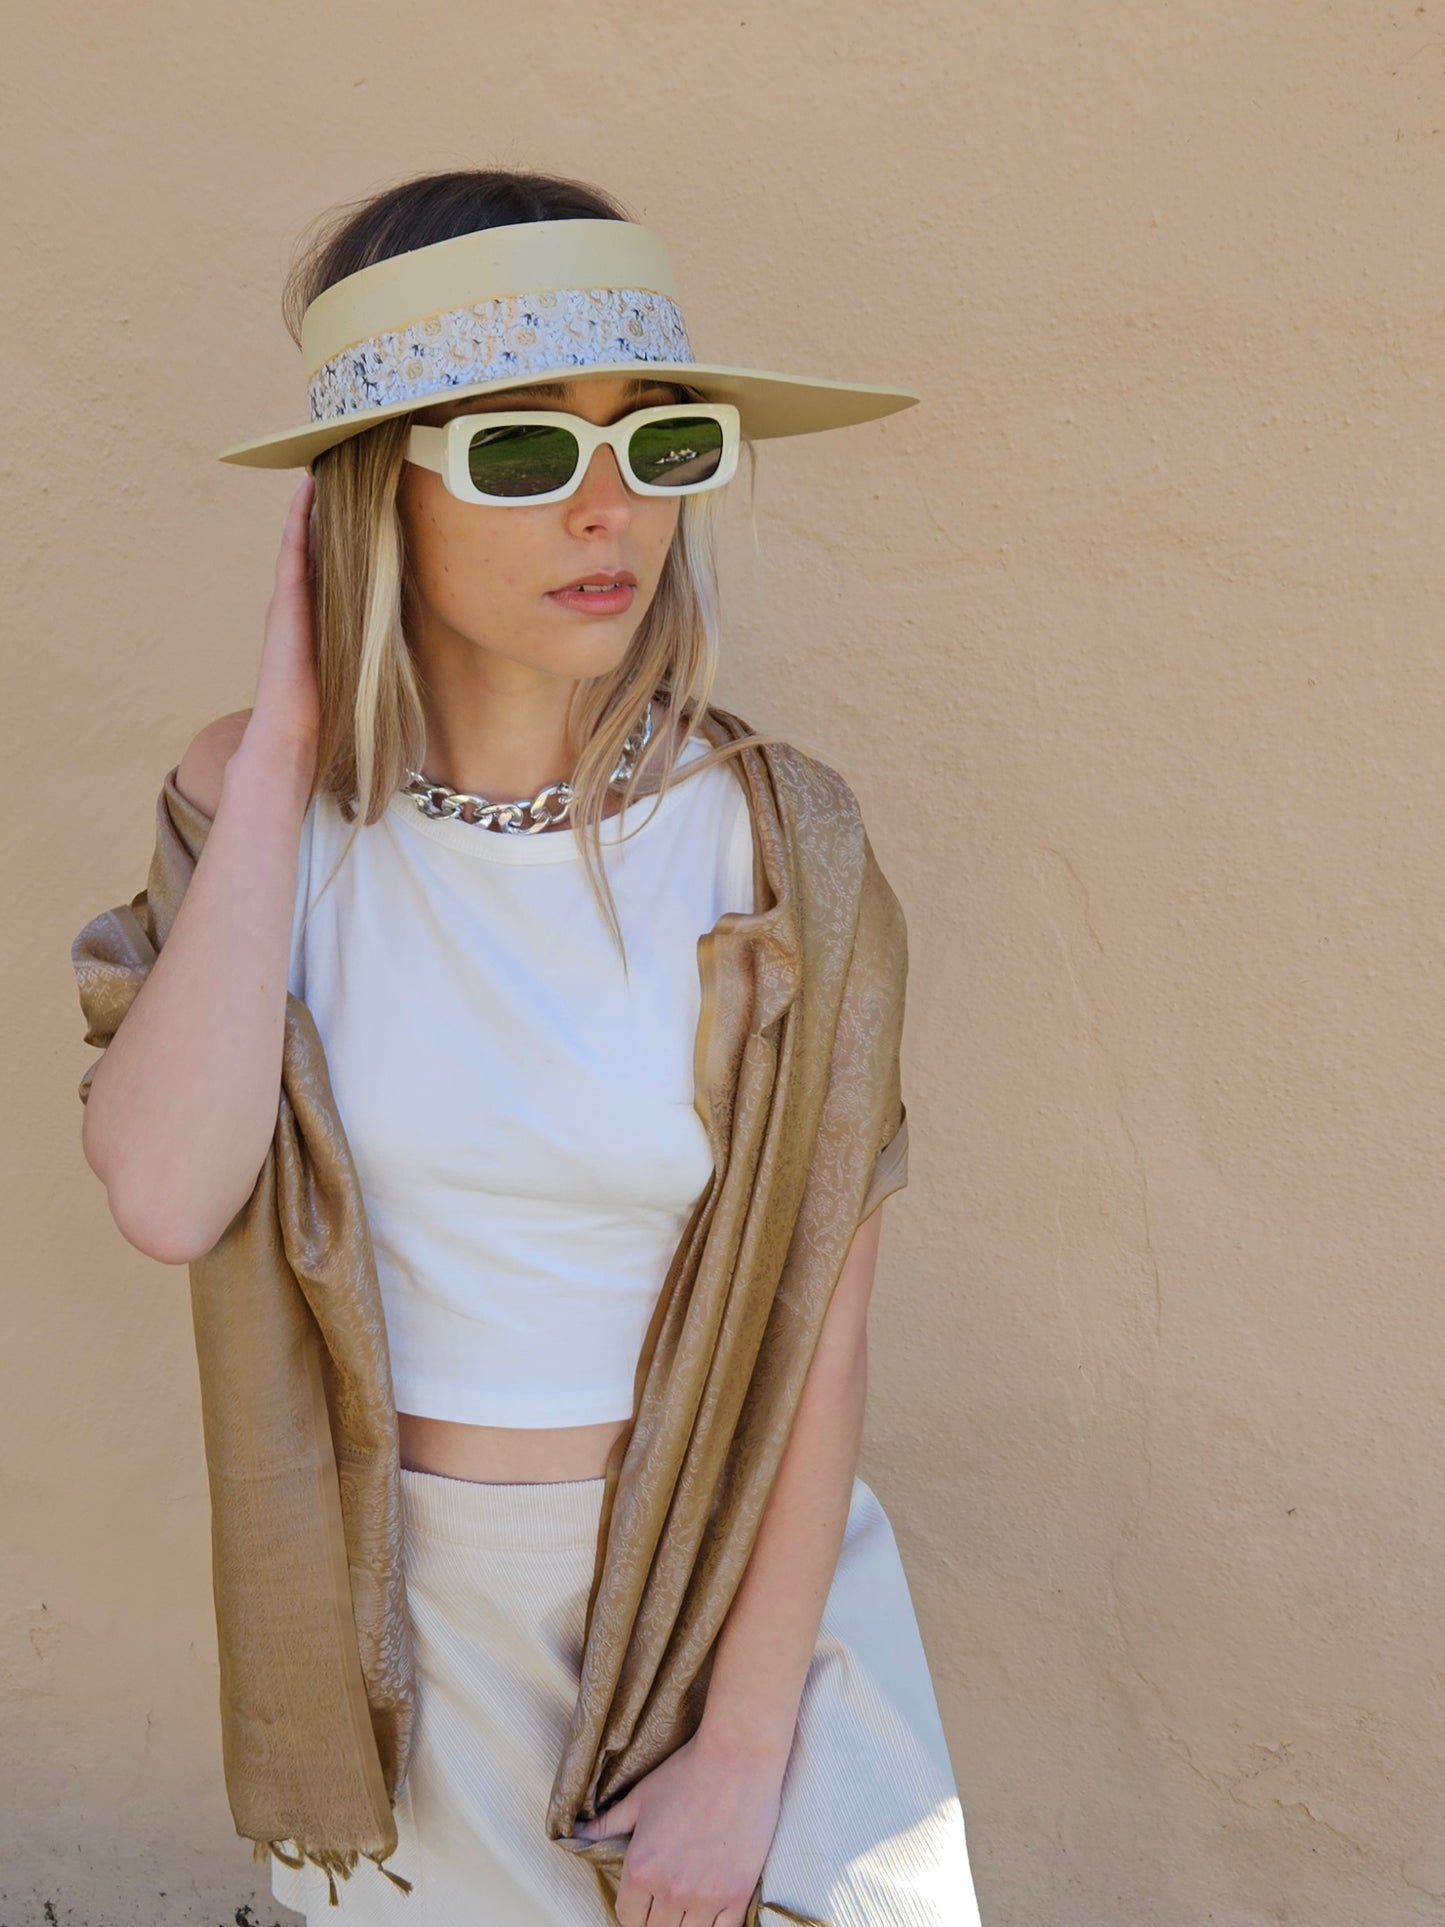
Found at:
<point>372,726</point>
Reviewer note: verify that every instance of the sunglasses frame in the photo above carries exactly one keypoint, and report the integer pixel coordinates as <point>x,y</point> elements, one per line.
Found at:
<point>444,449</point>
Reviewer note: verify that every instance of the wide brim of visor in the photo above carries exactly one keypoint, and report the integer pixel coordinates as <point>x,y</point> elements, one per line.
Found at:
<point>770,405</point>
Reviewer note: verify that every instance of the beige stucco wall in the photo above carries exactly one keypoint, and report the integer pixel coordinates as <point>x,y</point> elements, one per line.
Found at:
<point>1128,640</point>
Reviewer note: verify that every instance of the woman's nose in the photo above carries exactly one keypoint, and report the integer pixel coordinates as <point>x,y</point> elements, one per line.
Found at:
<point>603,485</point>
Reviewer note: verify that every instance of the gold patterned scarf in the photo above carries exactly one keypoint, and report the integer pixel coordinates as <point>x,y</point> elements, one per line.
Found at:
<point>797,1079</point>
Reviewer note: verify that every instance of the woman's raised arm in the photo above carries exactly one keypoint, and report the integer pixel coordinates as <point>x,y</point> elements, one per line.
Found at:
<point>182,1104</point>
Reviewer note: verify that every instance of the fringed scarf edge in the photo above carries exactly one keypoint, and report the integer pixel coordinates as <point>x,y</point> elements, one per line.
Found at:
<point>332,1861</point>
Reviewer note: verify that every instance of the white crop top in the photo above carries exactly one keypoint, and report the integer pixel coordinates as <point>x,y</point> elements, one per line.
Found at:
<point>522,1120</point>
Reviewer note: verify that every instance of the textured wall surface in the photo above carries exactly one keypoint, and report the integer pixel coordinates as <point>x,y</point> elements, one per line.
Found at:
<point>1127,639</point>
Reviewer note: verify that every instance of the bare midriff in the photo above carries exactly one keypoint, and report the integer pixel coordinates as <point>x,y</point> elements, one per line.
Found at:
<point>506,1454</point>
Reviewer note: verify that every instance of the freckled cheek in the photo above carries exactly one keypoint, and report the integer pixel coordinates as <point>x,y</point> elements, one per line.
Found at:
<point>491,582</point>
<point>667,529</point>
<point>498,575</point>
<point>439,556</point>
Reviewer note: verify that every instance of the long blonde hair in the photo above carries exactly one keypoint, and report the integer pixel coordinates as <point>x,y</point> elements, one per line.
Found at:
<point>372,726</point>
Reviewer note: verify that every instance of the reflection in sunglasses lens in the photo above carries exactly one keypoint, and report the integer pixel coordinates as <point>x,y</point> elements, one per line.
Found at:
<point>521,458</point>
<point>671,453</point>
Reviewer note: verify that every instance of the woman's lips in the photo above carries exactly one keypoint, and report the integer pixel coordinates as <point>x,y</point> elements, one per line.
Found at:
<point>597,602</point>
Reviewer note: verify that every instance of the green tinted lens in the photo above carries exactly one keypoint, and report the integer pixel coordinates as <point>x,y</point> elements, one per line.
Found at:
<point>671,452</point>
<point>521,458</point>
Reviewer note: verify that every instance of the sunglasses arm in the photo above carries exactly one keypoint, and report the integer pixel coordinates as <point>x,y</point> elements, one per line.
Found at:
<point>426,445</point>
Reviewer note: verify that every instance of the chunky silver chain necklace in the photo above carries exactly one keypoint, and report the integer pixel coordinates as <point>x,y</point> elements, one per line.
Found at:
<point>529,813</point>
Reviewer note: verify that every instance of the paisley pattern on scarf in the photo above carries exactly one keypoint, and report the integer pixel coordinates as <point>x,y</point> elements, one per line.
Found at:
<point>514,334</point>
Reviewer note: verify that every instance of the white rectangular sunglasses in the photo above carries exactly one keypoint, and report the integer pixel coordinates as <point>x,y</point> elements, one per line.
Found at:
<point>525,455</point>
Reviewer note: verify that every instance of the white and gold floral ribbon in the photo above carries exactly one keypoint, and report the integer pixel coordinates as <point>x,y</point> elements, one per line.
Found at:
<point>510,335</point>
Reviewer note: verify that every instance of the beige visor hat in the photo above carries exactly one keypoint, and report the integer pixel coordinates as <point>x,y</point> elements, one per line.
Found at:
<point>510,305</point>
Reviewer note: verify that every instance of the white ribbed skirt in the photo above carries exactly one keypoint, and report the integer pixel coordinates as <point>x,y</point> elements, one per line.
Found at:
<point>870,1830</point>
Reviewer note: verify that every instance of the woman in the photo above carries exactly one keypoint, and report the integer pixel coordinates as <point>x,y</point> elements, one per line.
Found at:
<point>484,822</point>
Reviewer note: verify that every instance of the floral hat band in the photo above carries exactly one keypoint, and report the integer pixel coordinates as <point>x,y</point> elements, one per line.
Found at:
<point>505,306</point>
<point>487,341</point>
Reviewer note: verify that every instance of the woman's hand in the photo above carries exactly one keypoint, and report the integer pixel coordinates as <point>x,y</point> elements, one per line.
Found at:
<point>287,706</point>
<point>701,1825</point>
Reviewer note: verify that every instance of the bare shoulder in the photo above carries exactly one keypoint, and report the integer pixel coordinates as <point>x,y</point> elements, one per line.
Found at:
<point>199,773</point>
